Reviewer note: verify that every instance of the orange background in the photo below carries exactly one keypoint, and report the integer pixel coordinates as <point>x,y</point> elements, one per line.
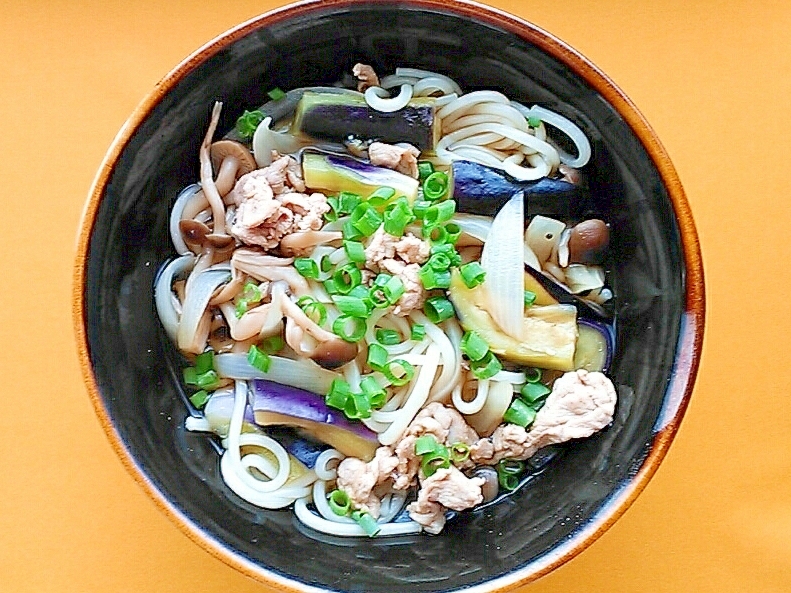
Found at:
<point>712,77</point>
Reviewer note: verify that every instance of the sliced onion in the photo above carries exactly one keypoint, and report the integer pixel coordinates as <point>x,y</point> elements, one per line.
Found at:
<point>580,278</point>
<point>302,373</point>
<point>502,259</point>
<point>195,302</point>
<point>418,73</point>
<point>163,293</point>
<point>265,140</point>
<point>175,217</point>
<point>571,130</point>
<point>379,99</point>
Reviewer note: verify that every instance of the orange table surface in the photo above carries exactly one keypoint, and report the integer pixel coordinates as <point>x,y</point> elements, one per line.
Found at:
<point>713,78</point>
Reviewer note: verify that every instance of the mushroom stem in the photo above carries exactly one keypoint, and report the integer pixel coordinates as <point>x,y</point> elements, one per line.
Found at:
<point>207,175</point>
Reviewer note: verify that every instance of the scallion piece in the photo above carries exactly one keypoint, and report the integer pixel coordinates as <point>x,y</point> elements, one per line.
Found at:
<point>396,218</point>
<point>248,122</point>
<point>439,261</point>
<point>347,277</point>
<point>533,375</point>
<point>377,356</point>
<point>472,274</point>
<point>381,196</point>
<point>435,186</point>
<point>204,362</point>
<point>276,94</point>
<point>377,297</point>
<point>534,392</point>
<point>365,219</point>
<point>431,462</point>
<point>473,346</point>
<point>350,329</point>
<point>352,306</point>
<point>448,250</point>
<point>393,289</point>
<point>209,380</point>
<point>424,169</point>
<point>315,310</point>
<point>355,250</point>
<point>431,278</point>
<point>357,407</point>
<point>271,344</point>
<point>190,376</point>
<point>530,298</point>
<point>419,208</point>
<point>351,232</point>
<point>453,232</point>
<point>306,267</point>
<point>332,214</point>
<point>438,309</point>
<point>331,286</point>
<point>509,473</point>
<point>367,523</point>
<point>534,121</point>
<point>436,234</point>
<point>375,393</point>
<point>199,398</point>
<point>439,213</point>
<point>459,452</point>
<point>426,444</point>
<point>388,337</point>
<point>519,413</point>
<point>339,502</point>
<point>258,359</point>
<point>339,392</point>
<point>418,332</point>
<point>398,371</point>
<point>487,367</point>
<point>348,201</point>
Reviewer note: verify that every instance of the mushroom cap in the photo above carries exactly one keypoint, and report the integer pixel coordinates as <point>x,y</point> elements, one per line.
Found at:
<point>331,354</point>
<point>223,149</point>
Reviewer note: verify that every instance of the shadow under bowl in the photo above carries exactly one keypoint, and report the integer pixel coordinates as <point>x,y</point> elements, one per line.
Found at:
<point>655,271</point>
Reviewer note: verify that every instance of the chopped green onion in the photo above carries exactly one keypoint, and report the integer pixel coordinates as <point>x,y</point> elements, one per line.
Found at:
<point>325,263</point>
<point>204,362</point>
<point>351,232</point>
<point>339,502</point>
<point>350,329</point>
<point>448,250</point>
<point>438,309</point>
<point>487,367</point>
<point>258,359</point>
<point>472,274</point>
<point>377,356</point>
<point>348,201</point>
<point>435,186</point>
<point>533,375</point>
<point>439,261</point>
<point>377,297</point>
<point>339,392</point>
<point>332,215</point>
<point>381,196</point>
<point>439,213</point>
<point>459,452</point>
<point>331,287</point>
<point>315,310</point>
<point>519,413</point>
<point>530,298</point>
<point>453,232</point>
<point>199,398</point>
<point>347,277</point>
<point>388,337</point>
<point>424,169</point>
<point>473,346</point>
<point>367,522</point>
<point>509,472</point>
<point>271,344</point>
<point>393,289</point>
<point>276,94</point>
<point>398,371</point>
<point>306,267</point>
<point>381,279</point>
<point>396,218</point>
<point>251,293</point>
<point>209,380</point>
<point>534,121</point>
<point>431,462</point>
<point>352,306</point>
<point>248,122</point>
<point>426,444</point>
<point>190,376</point>
<point>534,392</point>
<point>418,332</point>
<point>360,291</point>
<point>419,208</point>
<point>375,393</point>
<point>365,219</point>
<point>436,234</point>
<point>357,406</point>
<point>355,250</point>
<point>431,278</point>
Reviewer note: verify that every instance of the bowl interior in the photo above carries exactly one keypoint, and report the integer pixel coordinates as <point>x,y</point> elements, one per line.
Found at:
<point>558,508</point>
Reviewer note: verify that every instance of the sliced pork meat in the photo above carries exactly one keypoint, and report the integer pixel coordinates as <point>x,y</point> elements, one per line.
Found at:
<point>445,489</point>
<point>358,478</point>
<point>365,75</point>
<point>399,157</point>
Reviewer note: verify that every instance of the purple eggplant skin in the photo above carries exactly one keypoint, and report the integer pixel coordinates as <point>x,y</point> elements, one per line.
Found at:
<point>480,189</point>
<point>283,405</point>
<point>585,309</point>
<point>606,337</point>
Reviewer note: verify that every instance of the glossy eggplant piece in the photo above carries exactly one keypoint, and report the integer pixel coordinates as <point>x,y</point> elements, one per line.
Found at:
<point>595,345</point>
<point>561,294</point>
<point>336,173</point>
<point>479,189</point>
<point>335,117</point>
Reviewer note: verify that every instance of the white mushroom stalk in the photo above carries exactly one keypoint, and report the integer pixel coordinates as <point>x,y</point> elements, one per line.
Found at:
<point>182,200</point>
<point>207,174</point>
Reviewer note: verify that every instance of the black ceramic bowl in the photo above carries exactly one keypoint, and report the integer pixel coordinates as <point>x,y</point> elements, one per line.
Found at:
<point>656,274</point>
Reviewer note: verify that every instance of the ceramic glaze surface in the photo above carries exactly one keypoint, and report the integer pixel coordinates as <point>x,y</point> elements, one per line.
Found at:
<point>559,508</point>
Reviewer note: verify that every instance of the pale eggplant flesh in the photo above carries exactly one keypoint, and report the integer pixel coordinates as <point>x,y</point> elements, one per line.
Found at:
<point>585,308</point>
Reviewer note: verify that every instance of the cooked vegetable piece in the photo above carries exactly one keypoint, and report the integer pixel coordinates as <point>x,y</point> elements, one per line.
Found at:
<point>335,173</point>
<point>563,296</point>
<point>551,329</point>
<point>277,404</point>
<point>336,117</point>
<point>595,346</point>
<point>479,189</point>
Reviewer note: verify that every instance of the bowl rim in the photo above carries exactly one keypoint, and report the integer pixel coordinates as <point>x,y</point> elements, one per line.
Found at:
<point>688,349</point>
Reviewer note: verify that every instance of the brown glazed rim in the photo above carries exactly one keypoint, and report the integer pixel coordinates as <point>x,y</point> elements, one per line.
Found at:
<point>691,334</point>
